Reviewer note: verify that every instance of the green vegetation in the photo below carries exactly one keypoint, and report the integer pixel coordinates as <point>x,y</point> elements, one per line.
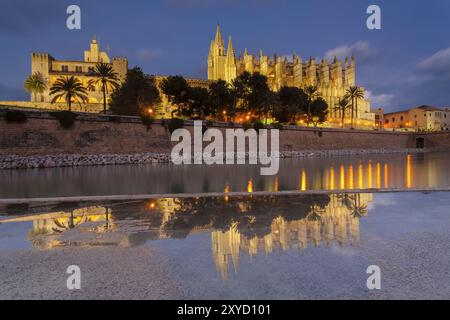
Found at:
<point>15,116</point>
<point>138,95</point>
<point>106,77</point>
<point>353,94</point>
<point>35,84</point>
<point>174,124</point>
<point>147,120</point>
<point>71,89</point>
<point>66,118</point>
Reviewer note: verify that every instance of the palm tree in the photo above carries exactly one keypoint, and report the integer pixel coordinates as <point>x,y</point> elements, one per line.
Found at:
<point>35,84</point>
<point>311,93</point>
<point>69,89</point>
<point>342,105</point>
<point>354,93</point>
<point>107,77</point>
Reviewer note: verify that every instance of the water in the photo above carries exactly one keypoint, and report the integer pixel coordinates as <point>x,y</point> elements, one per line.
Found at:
<point>304,246</point>
<point>399,171</point>
<point>271,246</point>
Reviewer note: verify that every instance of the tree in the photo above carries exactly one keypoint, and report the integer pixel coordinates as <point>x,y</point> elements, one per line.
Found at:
<point>259,97</point>
<point>319,111</point>
<point>222,99</point>
<point>107,77</point>
<point>292,102</point>
<point>311,93</point>
<point>136,95</point>
<point>354,93</point>
<point>176,89</point>
<point>241,90</point>
<point>35,84</point>
<point>198,105</point>
<point>69,88</point>
<point>342,105</point>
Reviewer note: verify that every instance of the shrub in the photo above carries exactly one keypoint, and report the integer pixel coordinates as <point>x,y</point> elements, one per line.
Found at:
<point>246,125</point>
<point>175,124</point>
<point>258,126</point>
<point>66,118</point>
<point>15,116</point>
<point>278,126</point>
<point>147,121</point>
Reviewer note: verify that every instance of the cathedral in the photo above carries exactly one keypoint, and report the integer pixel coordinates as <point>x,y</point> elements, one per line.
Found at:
<point>331,78</point>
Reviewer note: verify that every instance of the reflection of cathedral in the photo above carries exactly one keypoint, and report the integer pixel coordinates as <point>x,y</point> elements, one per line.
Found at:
<point>238,225</point>
<point>338,222</point>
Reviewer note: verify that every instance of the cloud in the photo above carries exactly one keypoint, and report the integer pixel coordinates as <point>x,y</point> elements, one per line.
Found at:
<point>437,64</point>
<point>149,54</point>
<point>380,100</point>
<point>361,49</point>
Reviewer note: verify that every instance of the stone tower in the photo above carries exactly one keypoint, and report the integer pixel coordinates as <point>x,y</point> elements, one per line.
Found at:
<point>221,62</point>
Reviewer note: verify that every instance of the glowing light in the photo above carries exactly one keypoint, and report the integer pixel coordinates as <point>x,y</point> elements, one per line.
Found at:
<point>378,175</point>
<point>409,171</point>
<point>369,173</point>
<point>250,186</point>
<point>303,181</point>
<point>386,176</point>
<point>342,175</point>
<point>350,176</point>
<point>360,175</point>
<point>332,178</point>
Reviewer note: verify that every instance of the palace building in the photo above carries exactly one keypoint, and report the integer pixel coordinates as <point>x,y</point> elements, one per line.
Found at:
<point>331,78</point>
<point>52,69</point>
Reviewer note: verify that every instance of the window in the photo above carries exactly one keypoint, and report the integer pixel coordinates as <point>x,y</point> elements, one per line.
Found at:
<point>401,118</point>
<point>415,116</point>
<point>78,69</point>
<point>65,68</point>
<point>387,121</point>
<point>91,69</point>
<point>92,88</point>
<point>393,119</point>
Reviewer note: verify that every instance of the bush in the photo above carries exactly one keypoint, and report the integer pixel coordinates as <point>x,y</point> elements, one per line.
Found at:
<point>66,118</point>
<point>175,124</point>
<point>147,121</point>
<point>278,126</point>
<point>246,125</point>
<point>15,116</point>
<point>258,126</point>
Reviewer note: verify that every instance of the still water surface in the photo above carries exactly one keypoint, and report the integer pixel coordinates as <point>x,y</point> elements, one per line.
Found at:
<point>399,171</point>
<point>304,246</point>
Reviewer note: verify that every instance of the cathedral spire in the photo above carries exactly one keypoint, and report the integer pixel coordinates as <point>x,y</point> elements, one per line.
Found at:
<point>230,50</point>
<point>219,39</point>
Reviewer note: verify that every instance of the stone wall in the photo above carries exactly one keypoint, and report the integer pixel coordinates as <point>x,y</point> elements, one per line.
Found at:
<point>98,134</point>
<point>76,107</point>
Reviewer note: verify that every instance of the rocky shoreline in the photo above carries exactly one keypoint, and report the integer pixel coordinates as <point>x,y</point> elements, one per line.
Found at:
<point>77,160</point>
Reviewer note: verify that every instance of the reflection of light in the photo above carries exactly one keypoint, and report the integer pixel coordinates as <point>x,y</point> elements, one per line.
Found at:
<point>342,174</point>
<point>276,184</point>
<point>303,181</point>
<point>350,176</point>
<point>250,186</point>
<point>378,175</point>
<point>360,175</point>
<point>409,171</point>
<point>226,190</point>
<point>369,169</point>
<point>386,176</point>
<point>332,178</point>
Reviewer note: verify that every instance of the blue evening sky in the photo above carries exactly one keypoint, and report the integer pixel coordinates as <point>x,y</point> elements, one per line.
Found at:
<point>404,64</point>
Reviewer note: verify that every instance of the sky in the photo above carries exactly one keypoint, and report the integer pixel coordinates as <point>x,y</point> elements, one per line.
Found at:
<point>405,64</point>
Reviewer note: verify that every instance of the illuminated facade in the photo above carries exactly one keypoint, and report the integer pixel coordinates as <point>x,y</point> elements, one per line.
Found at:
<point>331,79</point>
<point>52,69</point>
<point>420,118</point>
